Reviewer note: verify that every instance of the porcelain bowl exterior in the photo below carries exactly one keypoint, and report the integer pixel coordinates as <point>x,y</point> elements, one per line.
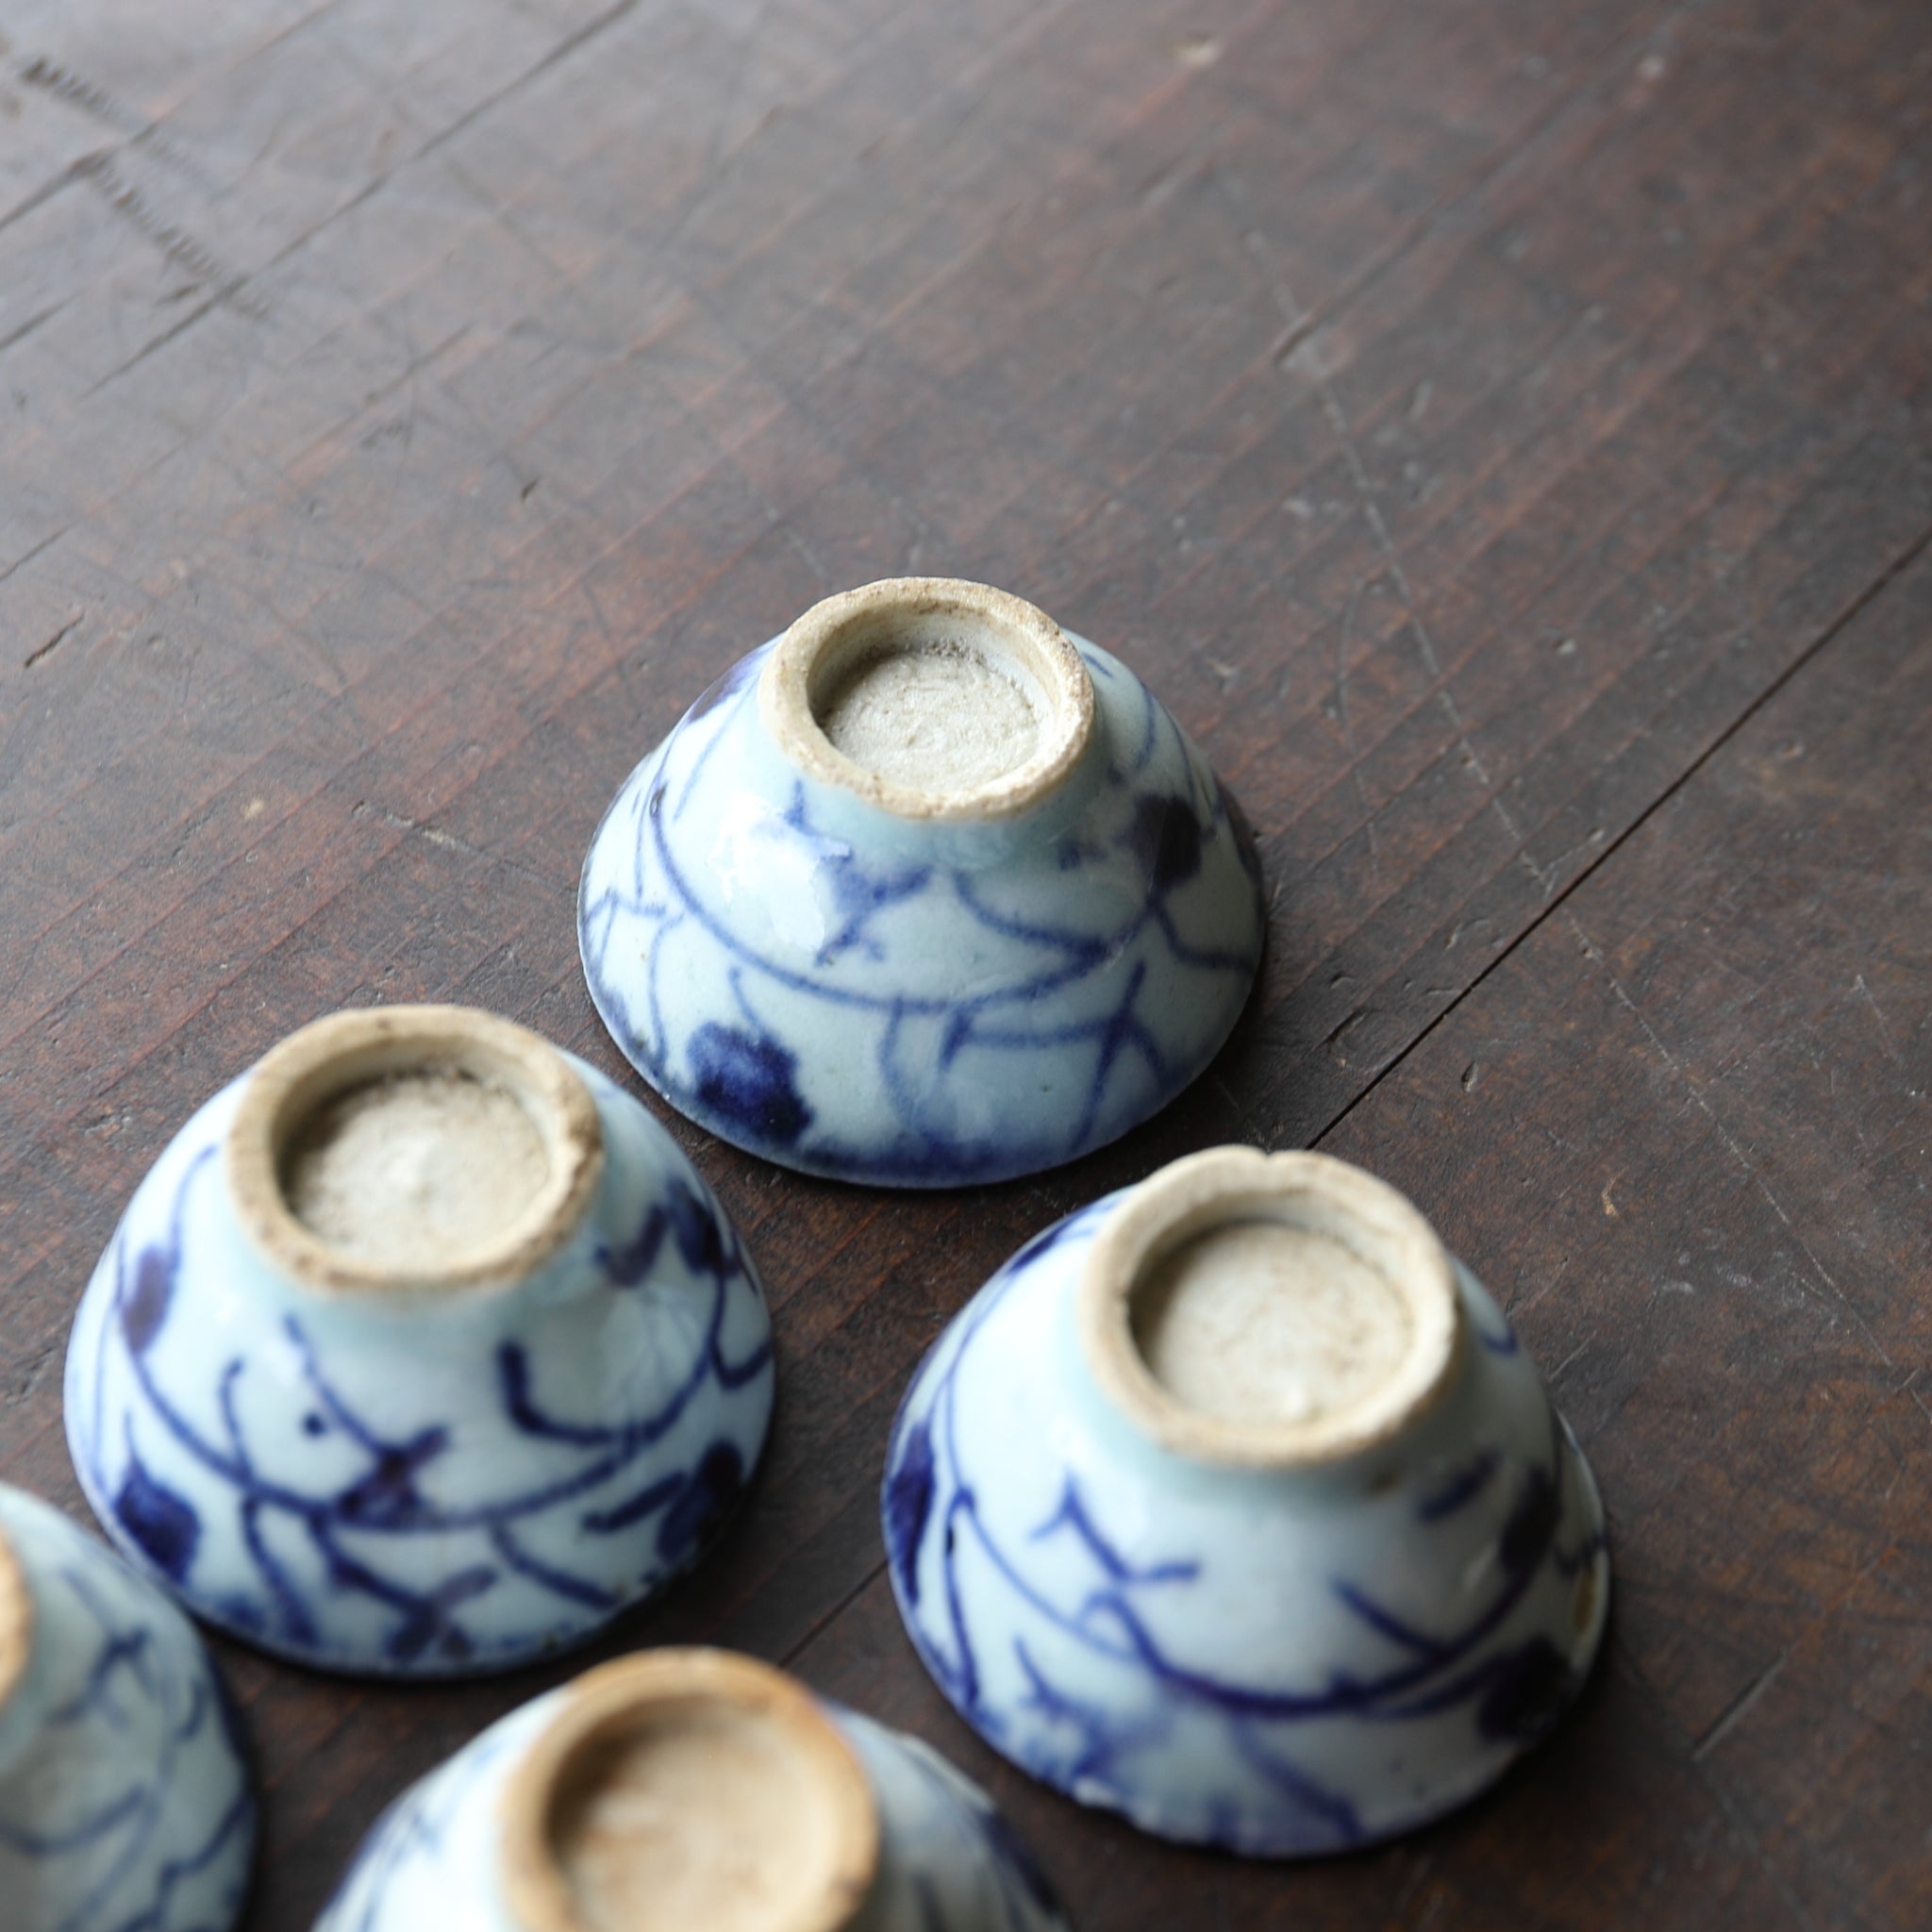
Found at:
<point>419,1485</point>
<point>948,1861</point>
<point>125,1804</point>
<point>1275,1662</point>
<point>920,1003</point>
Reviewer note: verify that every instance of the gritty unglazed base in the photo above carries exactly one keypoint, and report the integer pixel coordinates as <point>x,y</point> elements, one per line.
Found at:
<point>930,698</point>
<point>1233,1504</point>
<point>923,893</point>
<point>16,1622</point>
<point>409,1168</point>
<point>1269,1311</point>
<point>687,1788</point>
<point>413,1147</point>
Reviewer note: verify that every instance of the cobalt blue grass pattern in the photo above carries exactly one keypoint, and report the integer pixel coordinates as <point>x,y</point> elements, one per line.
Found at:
<point>125,1804</point>
<point>911,1004</point>
<point>948,1861</point>
<point>418,1493</point>
<point>1277,1670</point>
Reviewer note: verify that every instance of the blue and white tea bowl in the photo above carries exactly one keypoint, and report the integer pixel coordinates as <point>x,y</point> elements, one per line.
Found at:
<point>1280,1640</point>
<point>418,1472</point>
<point>891,1837</point>
<point>910,986</point>
<point>125,1803</point>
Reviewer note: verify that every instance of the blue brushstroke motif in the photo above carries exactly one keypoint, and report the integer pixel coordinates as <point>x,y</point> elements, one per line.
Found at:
<point>918,1017</point>
<point>298,1486</point>
<point>128,1807</point>
<point>1070,1650</point>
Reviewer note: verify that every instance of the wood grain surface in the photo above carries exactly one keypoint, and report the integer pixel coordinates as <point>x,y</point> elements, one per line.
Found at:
<point>1501,433</point>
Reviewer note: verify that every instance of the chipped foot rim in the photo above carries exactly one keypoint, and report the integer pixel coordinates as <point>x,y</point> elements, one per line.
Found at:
<point>923,893</point>
<point>1232,1503</point>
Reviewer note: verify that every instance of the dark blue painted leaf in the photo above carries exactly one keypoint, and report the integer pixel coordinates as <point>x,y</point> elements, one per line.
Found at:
<point>908,1503</point>
<point>703,1505</point>
<point>1530,1686</point>
<point>145,1307</point>
<point>1167,840</point>
<point>694,1227</point>
<point>1532,1524</point>
<point>628,1265</point>
<point>163,1524</point>
<point>749,1081</point>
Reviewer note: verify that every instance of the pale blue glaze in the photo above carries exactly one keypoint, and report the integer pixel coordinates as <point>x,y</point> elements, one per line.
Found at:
<point>125,1804</point>
<point>948,1861</point>
<point>919,1003</point>
<point>420,1486</point>
<point>1275,1662</point>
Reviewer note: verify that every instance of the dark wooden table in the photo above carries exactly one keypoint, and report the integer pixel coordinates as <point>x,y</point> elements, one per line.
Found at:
<point>1501,432</point>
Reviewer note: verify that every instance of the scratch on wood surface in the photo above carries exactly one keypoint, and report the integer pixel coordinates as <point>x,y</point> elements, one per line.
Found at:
<point>1415,1881</point>
<point>1301,326</point>
<point>1840,1299</point>
<point>1741,1831</point>
<point>1169,181</point>
<point>37,1369</point>
<point>806,551</point>
<point>1706,1775</point>
<point>448,842</point>
<point>1337,1041</point>
<point>748,42</point>
<point>38,198</point>
<point>1425,647</point>
<point>571,44</point>
<point>176,243</point>
<point>58,638</point>
<point>1740,1706</point>
<point>32,322</point>
<point>51,77</point>
<point>831,1616</point>
<point>1910,1386</point>
<point>1859,987</point>
<point>95,101</point>
<point>1355,765</point>
<point>1581,1349</point>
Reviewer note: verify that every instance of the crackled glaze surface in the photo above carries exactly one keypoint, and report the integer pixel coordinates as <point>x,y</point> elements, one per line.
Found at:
<point>410,1485</point>
<point>1274,1661</point>
<point>912,1004</point>
<point>125,1804</point>
<point>948,1861</point>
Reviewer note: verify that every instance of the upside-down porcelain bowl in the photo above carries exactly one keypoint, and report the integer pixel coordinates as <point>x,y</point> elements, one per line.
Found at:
<point>420,1350</point>
<point>124,1795</point>
<point>683,1789</point>
<point>923,893</point>
<point>1232,1503</point>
